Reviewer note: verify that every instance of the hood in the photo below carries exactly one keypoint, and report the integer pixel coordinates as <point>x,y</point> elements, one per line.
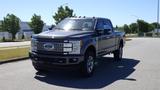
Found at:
<point>64,34</point>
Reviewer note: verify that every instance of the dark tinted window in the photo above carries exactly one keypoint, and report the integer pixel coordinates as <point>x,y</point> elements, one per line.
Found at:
<point>100,24</point>
<point>108,23</point>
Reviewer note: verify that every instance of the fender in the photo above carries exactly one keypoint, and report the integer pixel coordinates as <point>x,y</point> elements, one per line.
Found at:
<point>87,44</point>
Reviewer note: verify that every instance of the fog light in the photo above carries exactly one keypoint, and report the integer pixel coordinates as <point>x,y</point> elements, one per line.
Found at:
<point>73,60</point>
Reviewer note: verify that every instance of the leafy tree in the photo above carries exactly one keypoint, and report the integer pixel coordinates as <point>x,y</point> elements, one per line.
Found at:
<point>120,28</point>
<point>151,27</point>
<point>62,13</point>
<point>133,27</point>
<point>143,26</point>
<point>11,24</point>
<point>154,24</point>
<point>36,24</point>
<point>1,26</point>
<point>126,29</point>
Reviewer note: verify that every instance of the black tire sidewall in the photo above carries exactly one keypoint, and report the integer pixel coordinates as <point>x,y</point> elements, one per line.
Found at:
<point>84,67</point>
<point>117,54</point>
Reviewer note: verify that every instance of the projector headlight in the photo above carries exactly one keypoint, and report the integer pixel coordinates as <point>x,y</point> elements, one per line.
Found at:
<point>67,47</point>
<point>34,44</point>
<point>76,47</point>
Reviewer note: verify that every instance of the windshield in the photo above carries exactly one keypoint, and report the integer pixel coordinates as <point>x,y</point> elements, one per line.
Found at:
<point>76,24</point>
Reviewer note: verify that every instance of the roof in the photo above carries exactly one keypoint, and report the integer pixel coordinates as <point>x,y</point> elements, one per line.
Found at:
<point>83,17</point>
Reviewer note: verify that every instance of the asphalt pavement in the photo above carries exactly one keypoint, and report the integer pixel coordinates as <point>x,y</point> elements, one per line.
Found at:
<point>139,70</point>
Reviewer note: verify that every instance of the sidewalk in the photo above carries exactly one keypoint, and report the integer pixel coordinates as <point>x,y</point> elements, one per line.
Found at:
<point>12,44</point>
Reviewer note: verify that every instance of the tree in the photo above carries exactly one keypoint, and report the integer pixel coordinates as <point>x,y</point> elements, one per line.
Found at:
<point>133,27</point>
<point>143,26</point>
<point>1,26</point>
<point>62,13</point>
<point>126,29</point>
<point>151,27</point>
<point>154,24</point>
<point>11,24</point>
<point>36,24</point>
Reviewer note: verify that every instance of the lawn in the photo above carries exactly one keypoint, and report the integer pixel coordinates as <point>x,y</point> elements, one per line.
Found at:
<point>10,53</point>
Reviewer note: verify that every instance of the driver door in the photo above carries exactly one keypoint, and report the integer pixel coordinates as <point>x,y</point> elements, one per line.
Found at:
<point>102,37</point>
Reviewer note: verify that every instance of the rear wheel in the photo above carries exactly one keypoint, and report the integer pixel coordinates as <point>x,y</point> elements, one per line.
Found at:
<point>88,64</point>
<point>118,54</point>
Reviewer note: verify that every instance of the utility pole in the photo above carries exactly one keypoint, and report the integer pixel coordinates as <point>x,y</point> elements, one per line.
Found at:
<point>158,19</point>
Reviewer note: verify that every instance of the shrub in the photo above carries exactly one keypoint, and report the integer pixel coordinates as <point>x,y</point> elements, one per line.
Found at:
<point>3,39</point>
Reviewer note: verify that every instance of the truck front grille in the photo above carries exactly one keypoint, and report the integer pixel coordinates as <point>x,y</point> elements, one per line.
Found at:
<point>58,47</point>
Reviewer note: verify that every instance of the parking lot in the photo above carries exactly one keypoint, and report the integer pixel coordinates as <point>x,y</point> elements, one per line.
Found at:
<point>139,70</point>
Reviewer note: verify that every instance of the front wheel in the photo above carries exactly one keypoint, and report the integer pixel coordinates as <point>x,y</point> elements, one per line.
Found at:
<point>36,68</point>
<point>88,64</point>
<point>118,54</point>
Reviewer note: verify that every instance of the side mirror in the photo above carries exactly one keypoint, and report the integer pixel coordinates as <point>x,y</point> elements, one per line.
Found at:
<point>100,31</point>
<point>107,29</point>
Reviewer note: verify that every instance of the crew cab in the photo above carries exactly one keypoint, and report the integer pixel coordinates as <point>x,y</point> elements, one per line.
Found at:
<point>76,43</point>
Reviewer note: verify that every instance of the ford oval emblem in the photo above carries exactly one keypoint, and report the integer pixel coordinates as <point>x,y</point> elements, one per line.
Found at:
<point>48,46</point>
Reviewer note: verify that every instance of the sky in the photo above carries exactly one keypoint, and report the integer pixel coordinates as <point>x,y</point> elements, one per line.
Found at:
<point>120,12</point>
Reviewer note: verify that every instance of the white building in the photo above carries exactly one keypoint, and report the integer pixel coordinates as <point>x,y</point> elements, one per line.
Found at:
<point>5,35</point>
<point>45,27</point>
<point>25,31</point>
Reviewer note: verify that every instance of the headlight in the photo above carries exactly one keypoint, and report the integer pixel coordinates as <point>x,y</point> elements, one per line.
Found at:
<point>34,44</point>
<point>76,46</point>
<point>67,45</point>
<point>67,49</point>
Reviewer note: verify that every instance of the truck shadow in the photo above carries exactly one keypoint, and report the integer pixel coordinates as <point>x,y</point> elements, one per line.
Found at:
<point>107,72</point>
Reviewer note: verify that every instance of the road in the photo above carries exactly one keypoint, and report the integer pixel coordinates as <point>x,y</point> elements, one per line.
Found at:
<point>12,44</point>
<point>139,70</point>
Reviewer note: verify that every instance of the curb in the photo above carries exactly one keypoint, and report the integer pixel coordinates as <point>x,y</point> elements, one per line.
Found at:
<point>14,60</point>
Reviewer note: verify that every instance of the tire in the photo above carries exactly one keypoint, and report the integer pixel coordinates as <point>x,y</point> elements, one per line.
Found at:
<point>118,54</point>
<point>87,66</point>
<point>37,69</point>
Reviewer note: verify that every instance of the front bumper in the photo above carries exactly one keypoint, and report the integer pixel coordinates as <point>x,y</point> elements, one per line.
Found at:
<point>49,61</point>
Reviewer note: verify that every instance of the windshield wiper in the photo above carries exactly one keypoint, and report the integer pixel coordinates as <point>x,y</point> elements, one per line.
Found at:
<point>59,28</point>
<point>76,29</point>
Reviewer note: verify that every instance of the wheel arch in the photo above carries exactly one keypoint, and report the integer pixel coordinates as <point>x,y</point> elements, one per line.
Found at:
<point>121,43</point>
<point>90,48</point>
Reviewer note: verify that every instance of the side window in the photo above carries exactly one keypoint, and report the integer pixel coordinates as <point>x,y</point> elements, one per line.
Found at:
<point>107,26</point>
<point>100,25</point>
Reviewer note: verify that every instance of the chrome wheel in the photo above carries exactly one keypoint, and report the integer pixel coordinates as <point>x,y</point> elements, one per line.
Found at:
<point>90,64</point>
<point>87,66</point>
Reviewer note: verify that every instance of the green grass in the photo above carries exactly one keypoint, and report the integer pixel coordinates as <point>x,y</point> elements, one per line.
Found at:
<point>9,53</point>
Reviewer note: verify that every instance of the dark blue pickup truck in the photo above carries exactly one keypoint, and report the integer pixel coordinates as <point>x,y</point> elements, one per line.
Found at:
<point>76,43</point>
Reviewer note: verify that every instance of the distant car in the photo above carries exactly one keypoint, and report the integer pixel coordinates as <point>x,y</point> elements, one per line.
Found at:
<point>76,43</point>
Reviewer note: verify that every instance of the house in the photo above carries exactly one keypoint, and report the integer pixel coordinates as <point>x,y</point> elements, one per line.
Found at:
<point>25,31</point>
<point>5,35</point>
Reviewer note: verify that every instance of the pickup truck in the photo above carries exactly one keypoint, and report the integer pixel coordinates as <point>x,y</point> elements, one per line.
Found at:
<point>75,43</point>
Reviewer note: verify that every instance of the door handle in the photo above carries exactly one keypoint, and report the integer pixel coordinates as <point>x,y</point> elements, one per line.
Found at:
<point>107,37</point>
